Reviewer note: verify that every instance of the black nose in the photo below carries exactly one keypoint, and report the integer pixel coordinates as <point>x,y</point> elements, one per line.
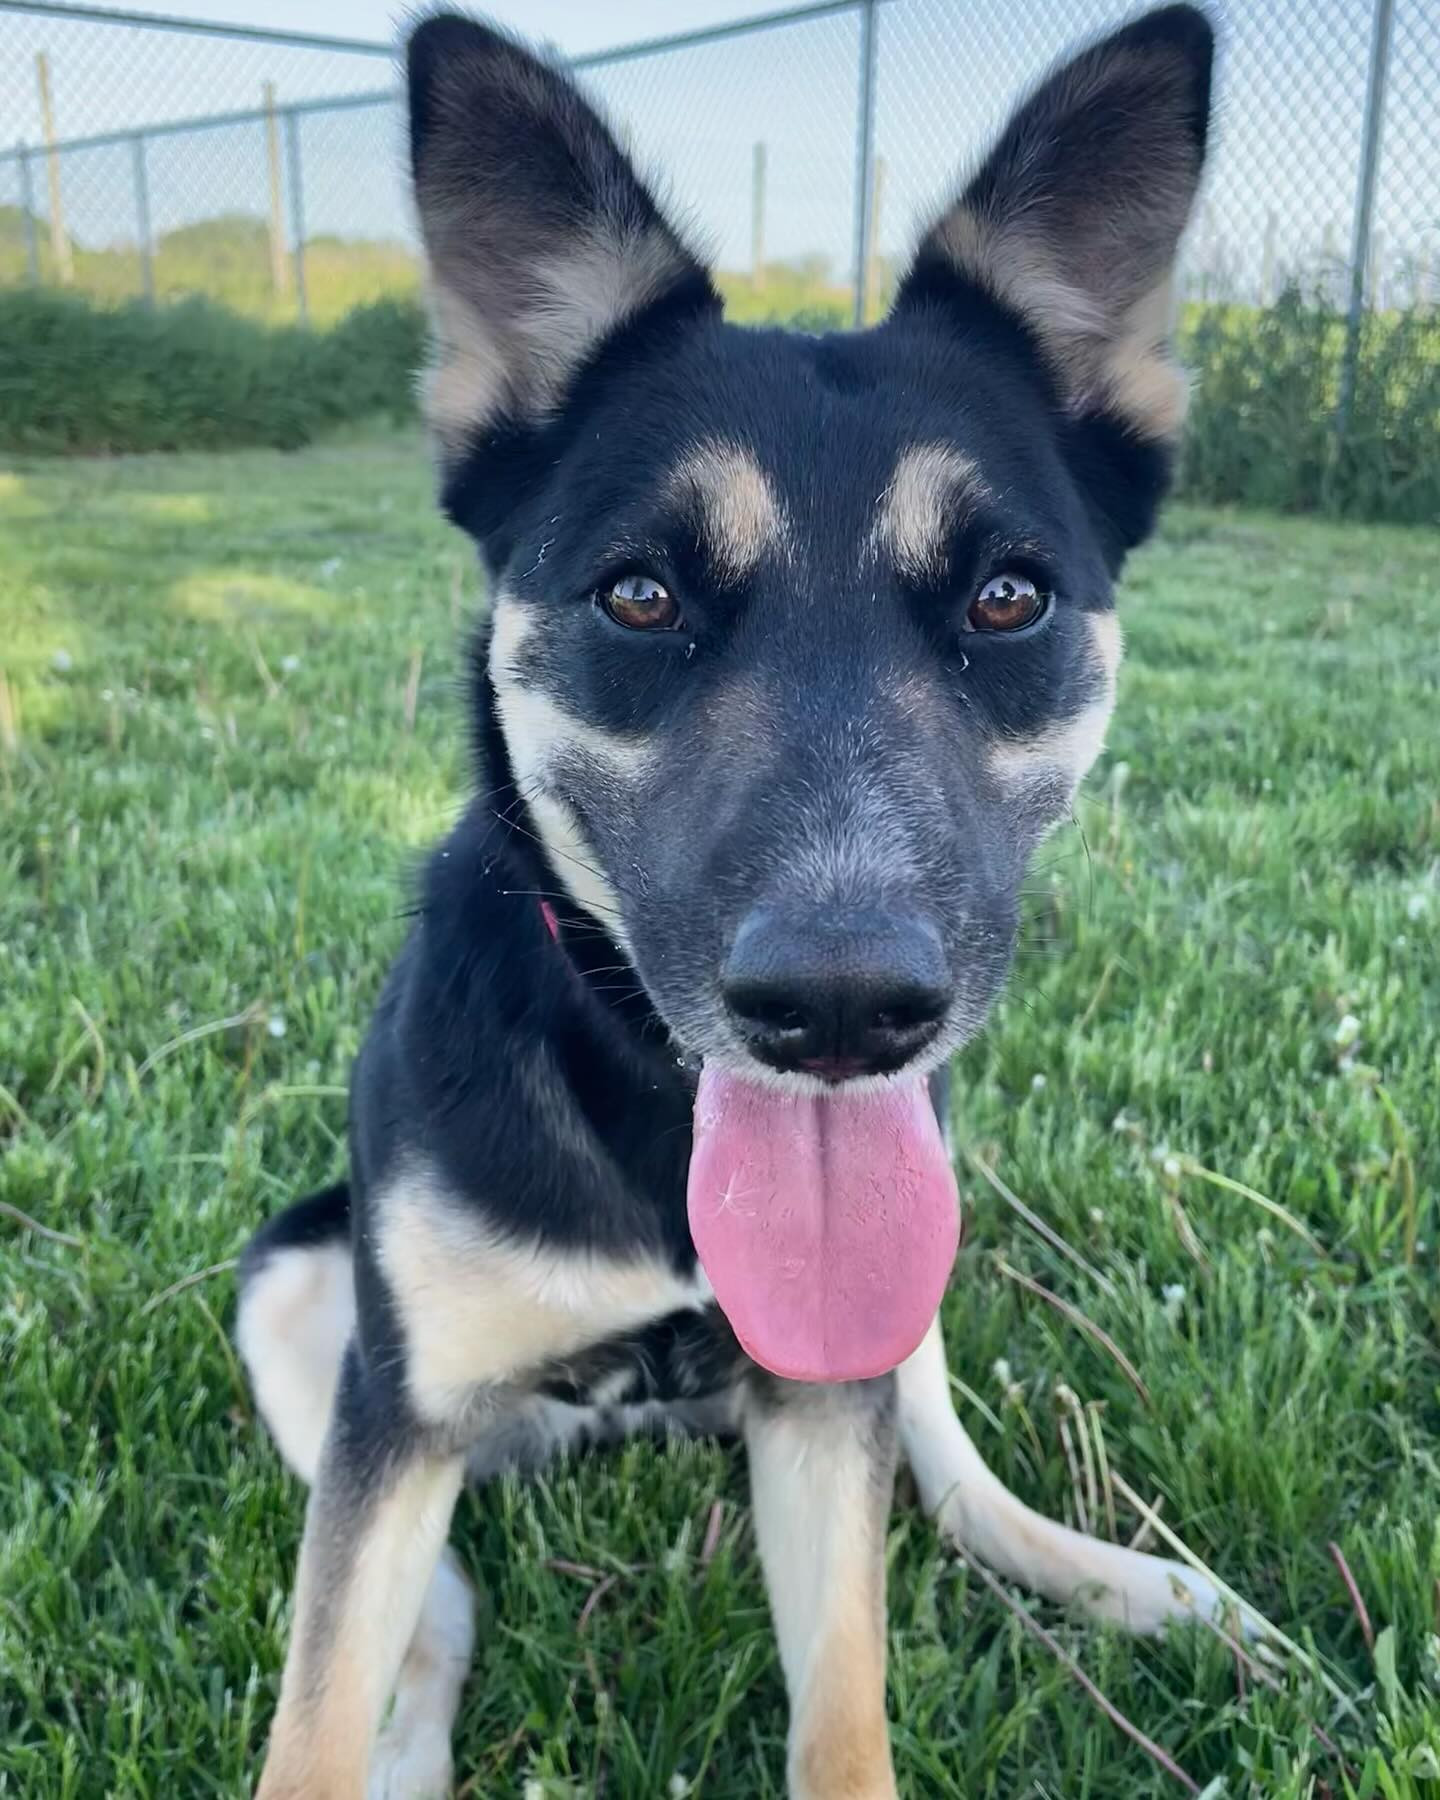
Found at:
<point>857,995</point>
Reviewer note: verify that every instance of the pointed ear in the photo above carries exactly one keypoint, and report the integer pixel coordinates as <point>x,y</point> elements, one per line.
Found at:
<point>1074,219</point>
<point>540,239</point>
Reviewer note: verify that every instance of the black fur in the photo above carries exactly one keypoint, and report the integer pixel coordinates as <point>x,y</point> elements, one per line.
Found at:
<point>549,1084</point>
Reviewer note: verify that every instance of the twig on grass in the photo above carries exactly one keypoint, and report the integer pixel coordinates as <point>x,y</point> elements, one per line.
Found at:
<point>1068,1662</point>
<point>1080,1319</point>
<point>1245,1661</point>
<point>1038,1225</point>
<point>593,1599</point>
<point>712,1534</point>
<point>188,1281</point>
<point>1188,1166</point>
<point>44,1231</point>
<point>1226,1592</point>
<point>1367,1631</point>
<point>252,1015</point>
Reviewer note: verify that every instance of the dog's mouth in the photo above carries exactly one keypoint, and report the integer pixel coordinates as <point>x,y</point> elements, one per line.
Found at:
<point>827,1223</point>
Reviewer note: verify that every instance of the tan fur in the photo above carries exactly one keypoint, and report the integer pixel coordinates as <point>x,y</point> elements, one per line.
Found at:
<point>931,487</point>
<point>296,1316</point>
<point>538,733</point>
<point>740,517</point>
<point>517,352</point>
<point>820,1498</point>
<point>1071,747</point>
<point>478,1309</point>
<point>338,1679</point>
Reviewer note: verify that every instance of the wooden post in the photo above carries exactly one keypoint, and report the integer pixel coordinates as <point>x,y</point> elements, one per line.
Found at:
<point>143,232</point>
<point>27,208</point>
<point>59,242</point>
<point>872,266</point>
<point>279,261</point>
<point>1267,261</point>
<point>757,217</point>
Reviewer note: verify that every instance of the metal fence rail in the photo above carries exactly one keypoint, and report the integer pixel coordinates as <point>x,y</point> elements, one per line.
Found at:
<point>156,156</point>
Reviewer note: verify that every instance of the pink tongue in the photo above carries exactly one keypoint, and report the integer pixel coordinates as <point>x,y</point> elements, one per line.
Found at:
<point>827,1226</point>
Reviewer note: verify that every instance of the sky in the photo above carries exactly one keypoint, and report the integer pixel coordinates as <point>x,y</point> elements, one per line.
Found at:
<point>575,25</point>
<point>1282,191</point>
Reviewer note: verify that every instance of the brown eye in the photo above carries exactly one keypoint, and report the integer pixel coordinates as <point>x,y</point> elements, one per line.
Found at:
<point>1007,602</point>
<point>640,603</point>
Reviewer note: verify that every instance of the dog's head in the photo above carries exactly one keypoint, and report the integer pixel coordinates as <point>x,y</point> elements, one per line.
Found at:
<point>799,644</point>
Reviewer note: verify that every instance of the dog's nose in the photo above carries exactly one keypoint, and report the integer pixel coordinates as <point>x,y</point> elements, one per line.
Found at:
<point>858,995</point>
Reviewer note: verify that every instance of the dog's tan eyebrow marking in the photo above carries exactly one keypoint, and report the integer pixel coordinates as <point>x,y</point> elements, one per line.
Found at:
<point>931,485</point>
<point>738,513</point>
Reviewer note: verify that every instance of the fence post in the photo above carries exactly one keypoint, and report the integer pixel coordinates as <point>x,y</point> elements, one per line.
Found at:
<point>757,217</point>
<point>865,154</point>
<point>279,268</point>
<point>142,216</point>
<point>297,210</point>
<point>59,242</point>
<point>27,208</point>
<point>1381,32</point>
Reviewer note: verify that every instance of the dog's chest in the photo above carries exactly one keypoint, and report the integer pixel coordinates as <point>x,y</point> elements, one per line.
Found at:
<point>479,1311</point>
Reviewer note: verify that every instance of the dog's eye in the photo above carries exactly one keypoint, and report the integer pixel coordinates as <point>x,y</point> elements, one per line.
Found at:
<point>1007,602</point>
<point>640,603</point>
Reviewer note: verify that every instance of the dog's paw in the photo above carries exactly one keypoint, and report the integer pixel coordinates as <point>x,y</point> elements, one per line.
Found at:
<point>1152,1593</point>
<point>415,1766</point>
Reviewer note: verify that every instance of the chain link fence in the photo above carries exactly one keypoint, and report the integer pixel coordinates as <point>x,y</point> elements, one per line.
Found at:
<point>152,157</point>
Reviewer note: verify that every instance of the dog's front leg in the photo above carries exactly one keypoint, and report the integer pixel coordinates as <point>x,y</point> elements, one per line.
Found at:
<point>374,1529</point>
<point>822,1467</point>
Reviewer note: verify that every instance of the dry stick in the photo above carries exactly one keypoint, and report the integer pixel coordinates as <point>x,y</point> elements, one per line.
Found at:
<point>1190,1167</point>
<point>189,1281</point>
<point>272,686</point>
<point>1064,1658</point>
<point>44,1231</point>
<point>712,1533</point>
<point>1226,1592</point>
<point>1143,1533</point>
<point>412,686</point>
<point>1107,1487</point>
<point>1077,1492</point>
<point>1102,987</point>
<point>252,1015</point>
<point>596,1595</point>
<point>1337,1556</point>
<point>1037,1224</point>
<point>1076,1317</point>
<point>583,1570</point>
<point>1261,1674</point>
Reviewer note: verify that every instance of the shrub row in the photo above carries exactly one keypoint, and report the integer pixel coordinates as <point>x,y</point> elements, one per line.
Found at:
<point>79,378</point>
<point>75,377</point>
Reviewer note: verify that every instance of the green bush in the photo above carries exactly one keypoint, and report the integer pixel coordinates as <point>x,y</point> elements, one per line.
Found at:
<point>1262,428</point>
<point>79,378</point>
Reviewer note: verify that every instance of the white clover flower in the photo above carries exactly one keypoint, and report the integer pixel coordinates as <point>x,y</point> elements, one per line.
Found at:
<point>276,1025</point>
<point>289,664</point>
<point>62,662</point>
<point>1172,1168</point>
<point>1347,1032</point>
<point>1000,1369</point>
<point>1417,905</point>
<point>1097,1217</point>
<point>1038,1084</point>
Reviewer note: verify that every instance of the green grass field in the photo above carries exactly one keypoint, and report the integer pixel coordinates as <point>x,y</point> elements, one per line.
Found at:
<point>228,722</point>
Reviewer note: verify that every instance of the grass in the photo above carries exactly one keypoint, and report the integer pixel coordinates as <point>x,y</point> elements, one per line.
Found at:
<point>227,725</point>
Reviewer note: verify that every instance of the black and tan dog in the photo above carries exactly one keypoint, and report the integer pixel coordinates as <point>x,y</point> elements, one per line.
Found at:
<point>798,646</point>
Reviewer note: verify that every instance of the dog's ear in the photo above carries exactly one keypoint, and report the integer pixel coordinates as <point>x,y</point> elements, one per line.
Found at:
<point>1073,220</point>
<point>540,238</point>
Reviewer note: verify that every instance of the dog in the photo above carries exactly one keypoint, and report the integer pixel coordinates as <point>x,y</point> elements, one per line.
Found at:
<point>798,646</point>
